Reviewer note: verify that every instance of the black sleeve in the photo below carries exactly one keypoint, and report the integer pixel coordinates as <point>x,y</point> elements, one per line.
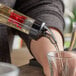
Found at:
<point>49,11</point>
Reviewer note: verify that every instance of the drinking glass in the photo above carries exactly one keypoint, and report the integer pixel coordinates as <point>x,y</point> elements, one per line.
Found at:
<point>62,63</point>
<point>7,69</point>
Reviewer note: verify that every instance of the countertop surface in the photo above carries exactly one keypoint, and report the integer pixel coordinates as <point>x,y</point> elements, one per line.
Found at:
<point>28,70</point>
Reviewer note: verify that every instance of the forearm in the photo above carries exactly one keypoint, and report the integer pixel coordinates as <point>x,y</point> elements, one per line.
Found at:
<point>41,47</point>
<point>45,44</point>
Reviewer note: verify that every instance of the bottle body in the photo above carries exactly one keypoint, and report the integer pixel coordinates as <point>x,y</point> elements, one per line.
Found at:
<point>15,19</point>
<point>21,22</point>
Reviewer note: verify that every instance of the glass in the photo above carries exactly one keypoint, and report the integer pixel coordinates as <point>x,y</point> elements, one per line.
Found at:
<point>7,69</point>
<point>62,63</point>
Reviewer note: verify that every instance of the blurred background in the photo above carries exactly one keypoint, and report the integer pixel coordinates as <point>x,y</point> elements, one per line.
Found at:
<point>70,22</point>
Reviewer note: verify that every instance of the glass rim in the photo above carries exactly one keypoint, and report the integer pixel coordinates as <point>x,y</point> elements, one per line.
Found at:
<point>9,66</point>
<point>60,57</point>
<point>66,57</point>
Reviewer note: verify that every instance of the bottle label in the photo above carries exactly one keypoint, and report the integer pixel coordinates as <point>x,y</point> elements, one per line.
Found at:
<point>17,19</point>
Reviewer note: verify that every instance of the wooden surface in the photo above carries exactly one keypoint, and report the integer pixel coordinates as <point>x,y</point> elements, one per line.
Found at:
<point>21,58</point>
<point>28,70</point>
